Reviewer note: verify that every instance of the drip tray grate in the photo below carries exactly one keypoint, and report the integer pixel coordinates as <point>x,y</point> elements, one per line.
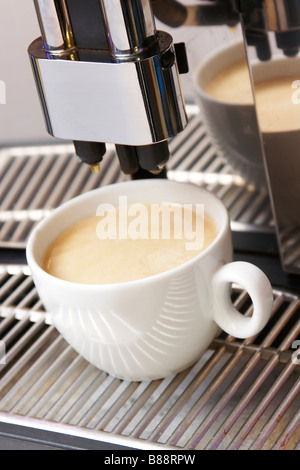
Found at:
<point>34,180</point>
<point>241,394</point>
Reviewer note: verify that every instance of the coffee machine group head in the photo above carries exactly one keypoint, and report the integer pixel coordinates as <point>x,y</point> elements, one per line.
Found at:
<point>106,75</point>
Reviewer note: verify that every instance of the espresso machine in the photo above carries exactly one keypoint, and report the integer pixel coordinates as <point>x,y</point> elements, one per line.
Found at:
<point>106,74</point>
<point>110,76</point>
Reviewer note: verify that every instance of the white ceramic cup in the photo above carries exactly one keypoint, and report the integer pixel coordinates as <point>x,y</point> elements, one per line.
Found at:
<point>154,327</point>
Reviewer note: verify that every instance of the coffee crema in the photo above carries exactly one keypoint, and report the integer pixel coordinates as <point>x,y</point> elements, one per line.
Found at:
<point>275,108</point>
<point>82,254</point>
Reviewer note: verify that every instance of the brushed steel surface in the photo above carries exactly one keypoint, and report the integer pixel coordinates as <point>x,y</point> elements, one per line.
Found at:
<point>241,394</point>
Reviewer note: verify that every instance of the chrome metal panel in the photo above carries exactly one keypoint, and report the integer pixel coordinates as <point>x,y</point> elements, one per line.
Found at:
<point>54,25</point>
<point>110,97</point>
<point>129,24</point>
<point>276,23</point>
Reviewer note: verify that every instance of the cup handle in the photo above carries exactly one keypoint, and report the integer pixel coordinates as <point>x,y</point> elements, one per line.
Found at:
<point>255,282</point>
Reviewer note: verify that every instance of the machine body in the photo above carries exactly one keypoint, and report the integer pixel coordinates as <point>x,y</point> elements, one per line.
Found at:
<point>271,31</point>
<point>273,27</point>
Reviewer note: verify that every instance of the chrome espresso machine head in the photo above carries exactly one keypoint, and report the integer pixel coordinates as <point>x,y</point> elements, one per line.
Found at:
<point>105,74</point>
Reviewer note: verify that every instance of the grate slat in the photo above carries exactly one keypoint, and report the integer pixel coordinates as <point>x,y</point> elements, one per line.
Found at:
<point>61,409</point>
<point>276,417</point>
<point>44,194</point>
<point>292,432</point>
<point>15,193</point>
<point>8,180</point>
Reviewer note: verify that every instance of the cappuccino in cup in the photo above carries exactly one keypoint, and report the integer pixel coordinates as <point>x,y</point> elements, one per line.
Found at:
<point>128,243</point>
<point>158,325</point>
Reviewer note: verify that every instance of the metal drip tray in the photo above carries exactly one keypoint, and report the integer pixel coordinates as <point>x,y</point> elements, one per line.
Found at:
<point>241,394</point>
<point>34,180</point>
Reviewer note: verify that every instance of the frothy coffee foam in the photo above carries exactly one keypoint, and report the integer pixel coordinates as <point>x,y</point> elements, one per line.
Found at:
<point>275,108</point>
<point>78,255</point>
